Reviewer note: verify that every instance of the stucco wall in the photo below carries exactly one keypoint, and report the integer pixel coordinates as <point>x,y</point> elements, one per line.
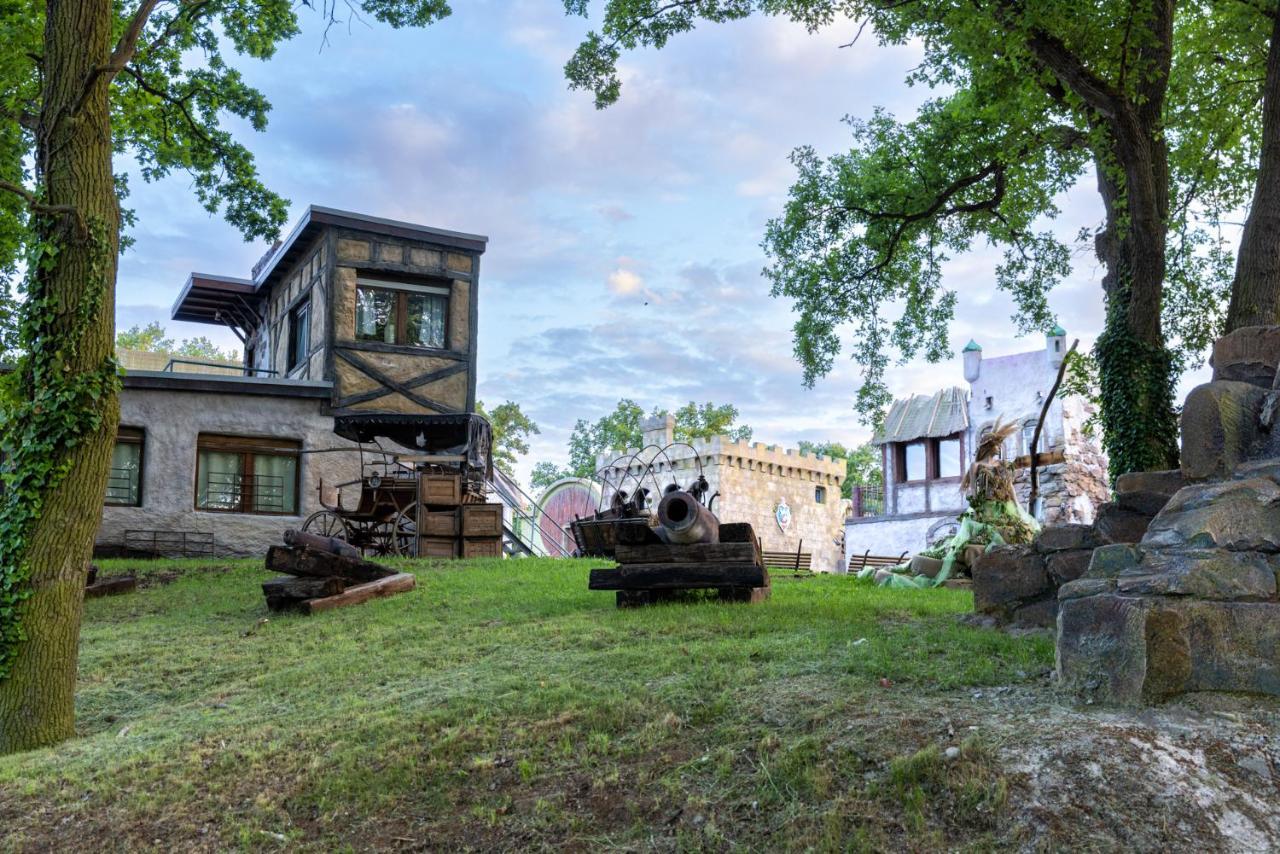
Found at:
<point>172,420</point>
<point>889,536</point>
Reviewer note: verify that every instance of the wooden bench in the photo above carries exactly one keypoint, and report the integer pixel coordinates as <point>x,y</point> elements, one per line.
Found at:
<point>797,561</point>
<point>866,559</point>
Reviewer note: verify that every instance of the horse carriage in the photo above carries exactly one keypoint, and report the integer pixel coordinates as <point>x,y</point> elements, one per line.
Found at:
<point>397,452</point>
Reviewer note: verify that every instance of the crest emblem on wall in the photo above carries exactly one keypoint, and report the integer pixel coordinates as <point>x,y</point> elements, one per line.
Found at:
<point>782,515</point>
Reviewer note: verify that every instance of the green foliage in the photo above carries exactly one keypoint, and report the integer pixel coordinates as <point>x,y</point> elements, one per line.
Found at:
<point>45,409</point>
<point>171,90</point>
<point>863,463</point>
<point>860,244</point>
<point>546,473</point>
<point>511,431</point>
<point>620,429</point>
<point>694,421</point>
<point>151,339</point>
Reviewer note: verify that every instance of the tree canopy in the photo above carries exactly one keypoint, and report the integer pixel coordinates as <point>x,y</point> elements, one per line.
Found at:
<point>511,432</point>
<point>620,429</point>
<point>152,338</point>
<point>1156,103</point>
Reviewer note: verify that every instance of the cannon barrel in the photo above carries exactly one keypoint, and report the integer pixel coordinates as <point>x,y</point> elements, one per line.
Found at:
<point>315,542</point>
<point>685,520</point>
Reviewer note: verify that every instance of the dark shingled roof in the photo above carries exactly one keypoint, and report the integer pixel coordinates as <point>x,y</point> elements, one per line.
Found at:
<point>924,416</point>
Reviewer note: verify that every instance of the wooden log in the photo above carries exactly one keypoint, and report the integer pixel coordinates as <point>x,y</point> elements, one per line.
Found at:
<point>389,586</point>
<point>317,543</point>
<point>690,553</point>
<point>291,587</point>
<point>749,595</point>
<point>737,532</point>
<point>677,576</point>
<point>315,564</point>
<point>111,586</point>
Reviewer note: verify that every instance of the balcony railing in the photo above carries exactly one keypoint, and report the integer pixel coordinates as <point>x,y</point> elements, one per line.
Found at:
<point>207,367</point>
<point>868,501</point>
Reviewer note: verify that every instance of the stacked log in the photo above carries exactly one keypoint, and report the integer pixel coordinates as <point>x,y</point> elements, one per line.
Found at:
<point>654,566</point>
<point>323,573</point>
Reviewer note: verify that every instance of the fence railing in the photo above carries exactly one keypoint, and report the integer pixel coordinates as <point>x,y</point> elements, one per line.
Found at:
<point>122,486</point>
<point>251,494</point>
<point>235,370</point>
<point>867,501</point>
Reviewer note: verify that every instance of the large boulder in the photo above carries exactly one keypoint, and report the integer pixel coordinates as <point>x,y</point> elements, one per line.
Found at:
<point>1237,515</point>
<point>1068,566</point>
<point>1248,354</point>
<point>1066,537</point>
<point>1165,483</point>
<point>1130,650</point>
<point>1116,524</point>
<point>1008,576</point>
<point>1209,574</point>
<point>1220,427</point>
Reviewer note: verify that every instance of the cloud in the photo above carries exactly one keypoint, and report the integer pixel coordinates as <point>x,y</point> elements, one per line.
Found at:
<point>623,281</point>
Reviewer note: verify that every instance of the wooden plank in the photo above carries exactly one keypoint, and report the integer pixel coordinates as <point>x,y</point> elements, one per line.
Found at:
<point>377,375</point>
<point>677,576</point>
<point>111,586</point>
<point>322,565</point>
<point>389,586</point>
<point>737,532</point>
<point>291,587</point>
<point>1043,459</point>
<point>691,553</point>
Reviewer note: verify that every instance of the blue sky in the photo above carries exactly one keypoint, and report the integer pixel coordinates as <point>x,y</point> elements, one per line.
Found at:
<point>624,253</point>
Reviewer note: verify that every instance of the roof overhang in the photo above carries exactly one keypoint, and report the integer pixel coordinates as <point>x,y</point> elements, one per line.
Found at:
<point>224,300</point>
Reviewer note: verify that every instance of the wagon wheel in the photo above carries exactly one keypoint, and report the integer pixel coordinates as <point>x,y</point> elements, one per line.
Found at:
<point>406,531</point>
<point>326,523</point>
<point>394,534</point>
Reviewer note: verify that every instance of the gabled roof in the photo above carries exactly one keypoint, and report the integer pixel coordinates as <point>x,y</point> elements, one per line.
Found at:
<point>924,416</point>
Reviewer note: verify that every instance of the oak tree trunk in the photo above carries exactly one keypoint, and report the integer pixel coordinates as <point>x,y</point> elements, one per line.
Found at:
<point>1135,365</point>
<point>1255,293</point>
<point>73,168</point>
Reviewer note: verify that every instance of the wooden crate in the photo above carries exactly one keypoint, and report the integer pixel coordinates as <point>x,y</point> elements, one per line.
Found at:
<point>482,520</point>
<point>437,546</point>
<point>438,523</point>
<point>440,490</point>
<point>482,547</point>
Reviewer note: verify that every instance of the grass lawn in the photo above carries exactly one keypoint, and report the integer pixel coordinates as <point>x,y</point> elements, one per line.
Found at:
<point>503,705</point>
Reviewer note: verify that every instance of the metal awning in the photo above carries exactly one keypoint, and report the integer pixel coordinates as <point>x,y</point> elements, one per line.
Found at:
<point>465,434</point>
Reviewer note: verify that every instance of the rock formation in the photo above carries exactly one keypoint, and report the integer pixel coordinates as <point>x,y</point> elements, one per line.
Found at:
<point>1193,605</point>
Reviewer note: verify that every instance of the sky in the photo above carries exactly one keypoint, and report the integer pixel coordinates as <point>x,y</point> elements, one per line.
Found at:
<point>624,245</point>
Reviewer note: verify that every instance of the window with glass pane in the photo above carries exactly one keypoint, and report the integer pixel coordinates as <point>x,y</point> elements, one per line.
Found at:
<point>424,324</point>
<point>247,475</point>
<point>915,461</point>
<point>949,462</point>
<point>299,334</point>
<point>1028,433</point>
<point>375,315</point>
<point>124,481</point>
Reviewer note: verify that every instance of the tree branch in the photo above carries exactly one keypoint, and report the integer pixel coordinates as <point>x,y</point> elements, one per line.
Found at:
<point>37,206</point>
<point>121,55</point>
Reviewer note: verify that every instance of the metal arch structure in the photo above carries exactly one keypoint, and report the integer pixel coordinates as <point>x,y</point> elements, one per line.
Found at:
<point>560,504</point>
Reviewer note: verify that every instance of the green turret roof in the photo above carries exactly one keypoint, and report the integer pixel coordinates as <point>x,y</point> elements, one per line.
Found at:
<point>973,345</point>
<point>1057,331</point>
